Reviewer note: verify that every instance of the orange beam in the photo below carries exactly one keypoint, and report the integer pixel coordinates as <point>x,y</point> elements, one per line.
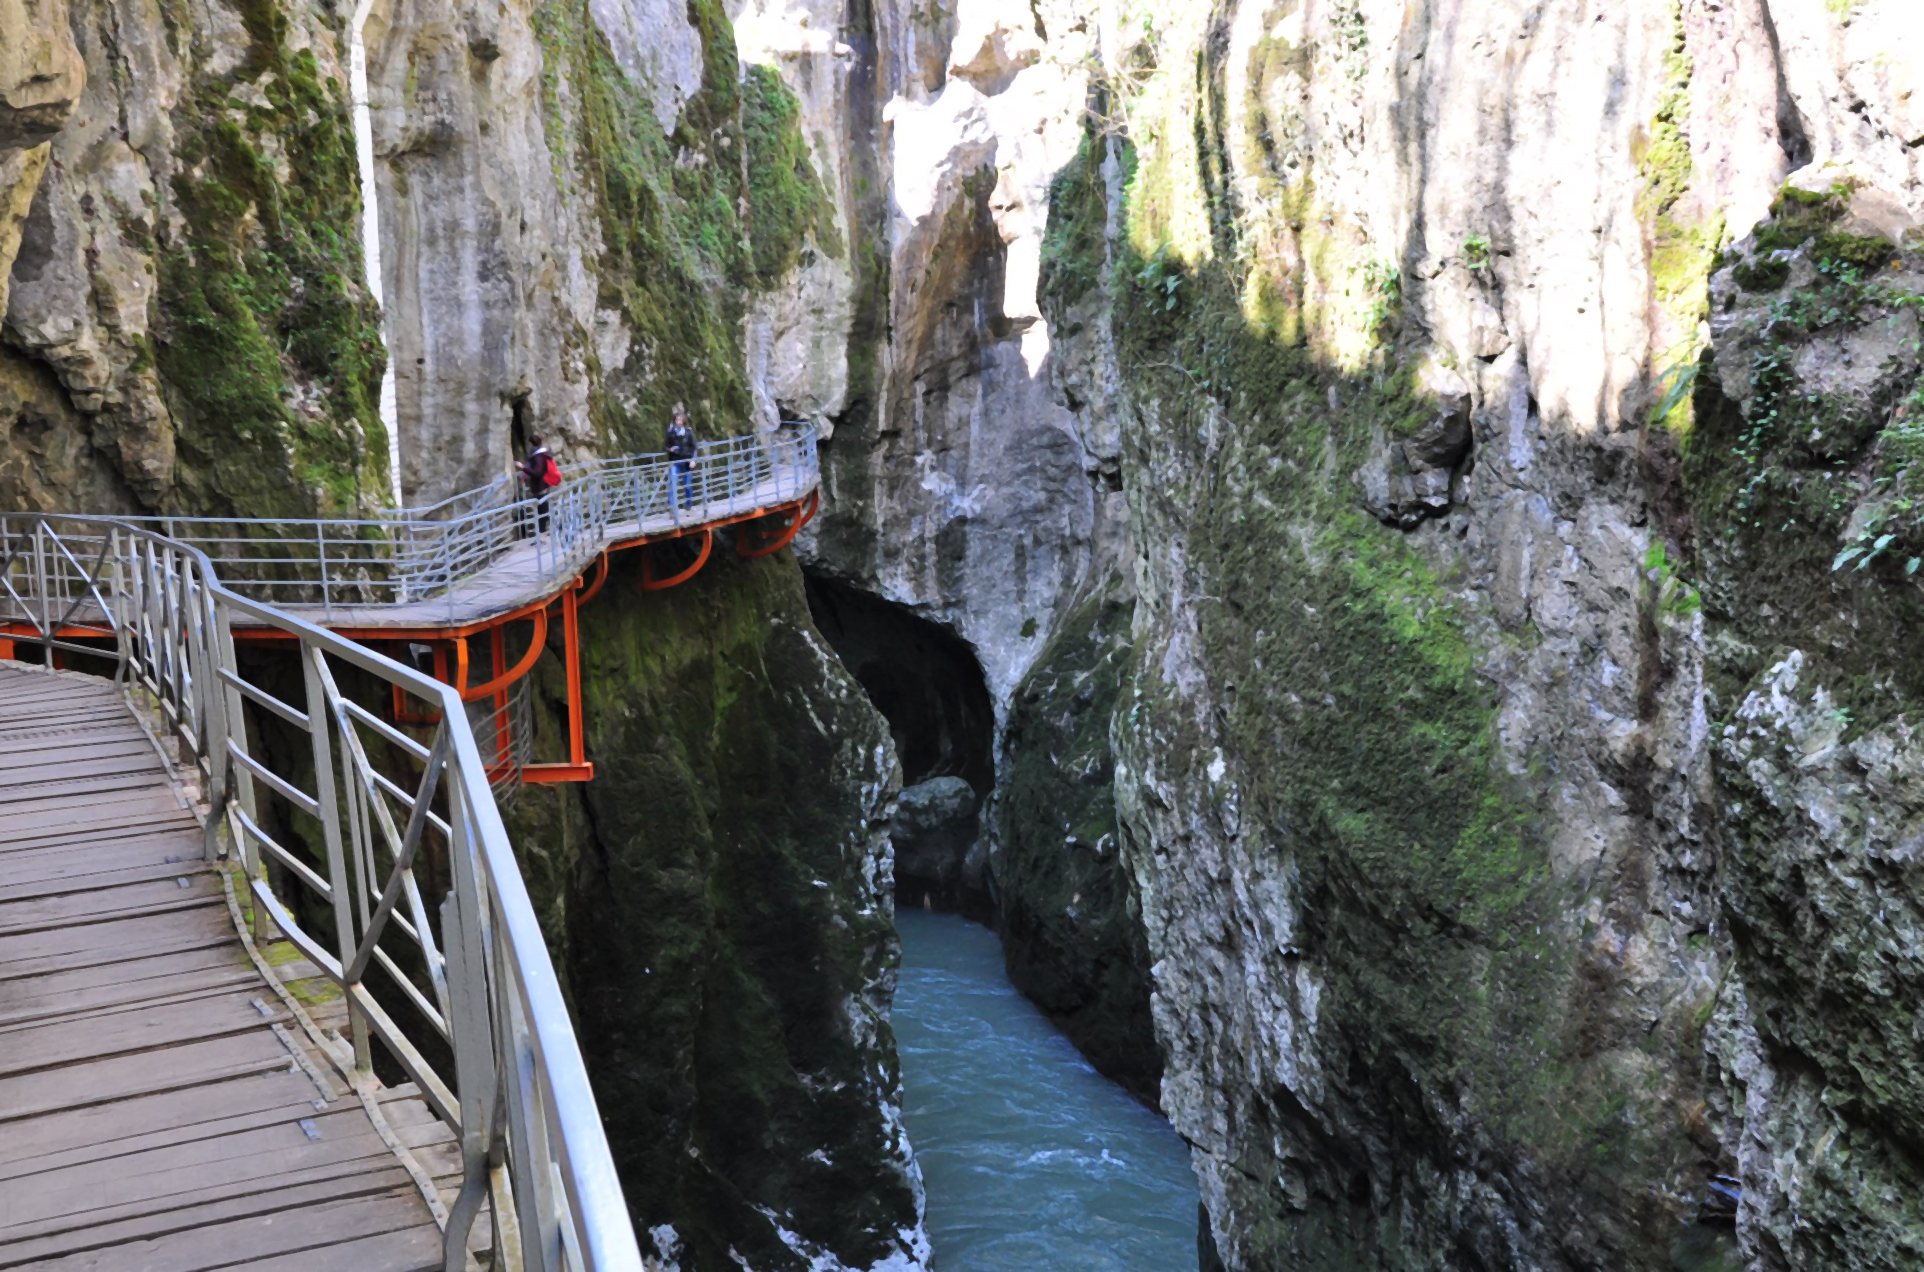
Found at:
<point>502,677</point>
<point>649,583</point>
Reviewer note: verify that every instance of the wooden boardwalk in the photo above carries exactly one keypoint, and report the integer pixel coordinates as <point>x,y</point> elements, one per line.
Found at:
<point>163,1106</point>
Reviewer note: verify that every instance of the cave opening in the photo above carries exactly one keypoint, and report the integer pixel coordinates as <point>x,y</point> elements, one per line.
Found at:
<point>928,685</point>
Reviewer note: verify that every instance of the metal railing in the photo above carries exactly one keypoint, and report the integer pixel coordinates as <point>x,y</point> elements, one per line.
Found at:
<point>345,827</point>
<point>414,555</point>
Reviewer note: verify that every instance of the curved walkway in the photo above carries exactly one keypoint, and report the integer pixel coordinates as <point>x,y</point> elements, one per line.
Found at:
<point>163,1108</point>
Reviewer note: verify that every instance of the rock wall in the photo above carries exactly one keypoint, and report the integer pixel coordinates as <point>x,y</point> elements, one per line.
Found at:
<point>183,328</point>
<point>577,205</point>
<point>725,919</point>
<point>1509,786</point>
<point>1450,881</point>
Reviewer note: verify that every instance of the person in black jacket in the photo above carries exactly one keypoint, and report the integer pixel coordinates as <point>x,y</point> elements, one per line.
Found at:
<point>539,474</point>
<point>681,450</point>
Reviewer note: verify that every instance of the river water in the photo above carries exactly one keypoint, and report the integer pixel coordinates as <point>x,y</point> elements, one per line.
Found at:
<point>1034,1162</point>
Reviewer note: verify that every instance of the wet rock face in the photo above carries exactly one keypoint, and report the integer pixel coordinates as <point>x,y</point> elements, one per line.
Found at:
<point>1066,905</point>
<point>1802,480</point>
<point>934,830</point>
<point>721,899</point>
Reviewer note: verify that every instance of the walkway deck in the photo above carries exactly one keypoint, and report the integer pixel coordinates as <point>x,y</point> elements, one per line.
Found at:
<point>162,1109</point>
<point>527,572</point>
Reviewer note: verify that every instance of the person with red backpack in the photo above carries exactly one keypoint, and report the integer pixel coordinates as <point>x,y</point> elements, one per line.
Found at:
<point>540,474</point>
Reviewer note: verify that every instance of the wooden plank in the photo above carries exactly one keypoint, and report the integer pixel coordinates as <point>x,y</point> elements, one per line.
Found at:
<point>39,886</point>
<point>406,1250</point>
<point>169,940</point>
<point>252,1240</point>
<point>77,980</point>
<point>83,724</point>
<point>101,1128</point>
<point>29,953</point>
<point>342,1116</point>
<point>106,1232</point>
<point>105,1081</point>
<point>47,1008</point>
<point>101,904</point>
<point>84,847</point>
<point>192,1170</point>
<point>66,1200</point>
<point>133,1029</point>
<point>64,792</point>
<point>83,762</point>
<point>115,809</point>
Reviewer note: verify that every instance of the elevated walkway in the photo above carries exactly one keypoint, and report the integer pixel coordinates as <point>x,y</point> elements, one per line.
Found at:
<point>272,990</point>
<point>163,1104</point>
<point>487,565</point>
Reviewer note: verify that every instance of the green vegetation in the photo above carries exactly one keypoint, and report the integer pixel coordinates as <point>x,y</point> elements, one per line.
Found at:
<point>1476,253</point>
<point>717,930</point>
<point>787,207</point>
<point>1683,250</point>
<point>678,257</point>
<point>1067,907</point>
<point>1810,503</point>
<point>260,292</point>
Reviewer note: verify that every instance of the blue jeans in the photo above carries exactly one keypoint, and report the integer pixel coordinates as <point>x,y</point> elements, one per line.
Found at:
<point>683,469</point>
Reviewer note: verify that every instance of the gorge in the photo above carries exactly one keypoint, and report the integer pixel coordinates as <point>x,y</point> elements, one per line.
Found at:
<point>1376,542</point>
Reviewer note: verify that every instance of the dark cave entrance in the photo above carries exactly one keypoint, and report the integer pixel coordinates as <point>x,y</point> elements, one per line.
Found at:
<point>927,684</point>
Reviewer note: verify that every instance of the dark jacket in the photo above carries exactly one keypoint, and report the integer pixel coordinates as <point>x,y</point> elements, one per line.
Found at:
<point>681,442</point>
<point>536,469</point>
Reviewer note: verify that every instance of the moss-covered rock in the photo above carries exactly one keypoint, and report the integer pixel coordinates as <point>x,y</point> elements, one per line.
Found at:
<point>720,897</point>
<point>1807,486</point>
<point>268,345</point>
<point>1066,906</point>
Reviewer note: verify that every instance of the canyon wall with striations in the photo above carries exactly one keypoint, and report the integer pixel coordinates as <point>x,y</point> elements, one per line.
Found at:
<point>1493,425</point>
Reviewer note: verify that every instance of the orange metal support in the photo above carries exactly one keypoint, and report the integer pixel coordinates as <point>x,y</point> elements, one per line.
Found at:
<point>498,687</point>
<point>649,583</point>
<point>601,577</point>
<point>578,769</point>
<point>774,541</point>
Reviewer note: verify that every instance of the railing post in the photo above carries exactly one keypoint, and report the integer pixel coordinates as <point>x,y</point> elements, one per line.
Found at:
<point>44,585</point>
<point>319,712</point>
<point>471,1025</point>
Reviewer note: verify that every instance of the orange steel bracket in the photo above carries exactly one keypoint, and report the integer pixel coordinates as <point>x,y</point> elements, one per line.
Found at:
<point>649,583</point>
<point>601,577</point>
<point>577,769</point>
<point>799,515</point>
<point>421,718</point>
<point>498,687</point>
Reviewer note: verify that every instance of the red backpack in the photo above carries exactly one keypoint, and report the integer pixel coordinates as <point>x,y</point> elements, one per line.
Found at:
<point>550,471</point>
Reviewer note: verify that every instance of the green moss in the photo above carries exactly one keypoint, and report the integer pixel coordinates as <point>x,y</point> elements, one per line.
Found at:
<point>1360,766</point>
<point>260,292</point>
<point>1778,490</point>
<point>1762,276</point>
<point>1067,908</point>
<point>676,260</point>
<point>1683,250</point>
<point>724,948</point>
<point>787,207</point>
<point>1075,252</point>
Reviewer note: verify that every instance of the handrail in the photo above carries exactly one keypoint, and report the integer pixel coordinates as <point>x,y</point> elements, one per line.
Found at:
<point>408,556</point>
<point>472,977</point>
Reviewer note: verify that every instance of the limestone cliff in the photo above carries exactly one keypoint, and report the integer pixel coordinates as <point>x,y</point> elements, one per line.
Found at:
<point>1513,760</point>
<point>186,327</point>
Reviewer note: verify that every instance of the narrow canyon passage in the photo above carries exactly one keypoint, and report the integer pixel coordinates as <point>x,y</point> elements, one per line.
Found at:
<point>1032,1160</point>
